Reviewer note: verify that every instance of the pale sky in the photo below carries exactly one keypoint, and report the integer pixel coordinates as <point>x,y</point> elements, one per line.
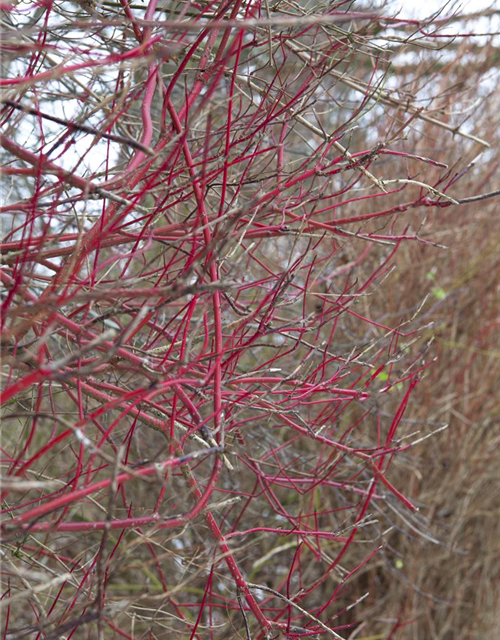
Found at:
<point>419,8</point>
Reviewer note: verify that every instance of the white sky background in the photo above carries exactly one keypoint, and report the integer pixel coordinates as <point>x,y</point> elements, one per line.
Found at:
<point>426,8</point>
<point>419,8</point>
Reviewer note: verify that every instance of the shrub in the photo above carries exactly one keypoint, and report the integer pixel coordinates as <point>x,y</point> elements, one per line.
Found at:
<point>208,359</point>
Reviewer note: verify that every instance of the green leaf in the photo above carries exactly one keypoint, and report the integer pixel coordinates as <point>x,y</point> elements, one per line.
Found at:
<point>439,293</point>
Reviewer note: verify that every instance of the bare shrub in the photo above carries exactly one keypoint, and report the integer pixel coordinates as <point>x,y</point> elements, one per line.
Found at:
<point>208,355</point>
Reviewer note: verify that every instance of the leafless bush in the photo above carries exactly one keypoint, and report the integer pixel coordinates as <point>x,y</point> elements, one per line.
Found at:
<point>209,356</point>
